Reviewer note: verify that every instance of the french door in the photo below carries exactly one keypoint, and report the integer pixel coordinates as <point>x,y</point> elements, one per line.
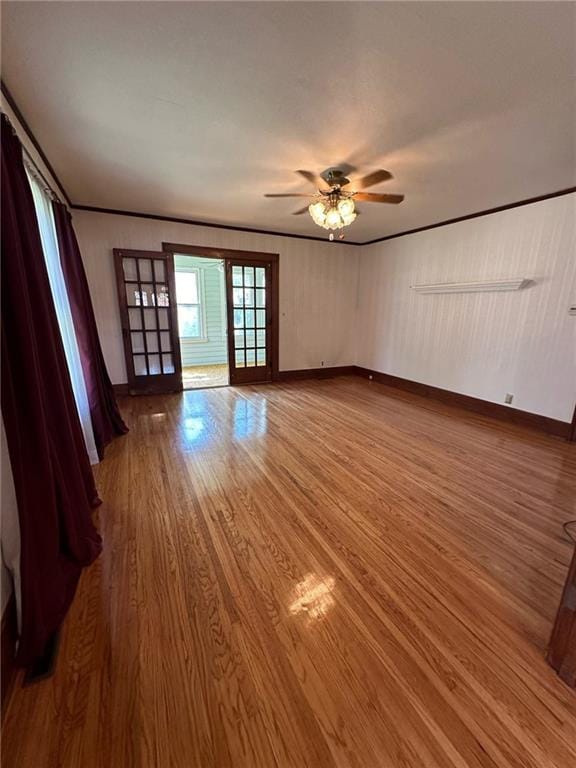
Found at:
<point>250,320</point>
<point>147,299</point>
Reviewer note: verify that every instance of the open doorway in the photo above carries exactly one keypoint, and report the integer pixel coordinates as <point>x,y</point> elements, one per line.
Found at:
<point>202,321</point>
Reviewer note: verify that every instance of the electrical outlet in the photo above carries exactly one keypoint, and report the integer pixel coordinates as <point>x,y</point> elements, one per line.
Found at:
<point>509,397</point>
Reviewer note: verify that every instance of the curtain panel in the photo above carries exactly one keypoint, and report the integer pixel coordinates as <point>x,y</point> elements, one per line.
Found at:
<point>107,422</point>
<point>53,479</point>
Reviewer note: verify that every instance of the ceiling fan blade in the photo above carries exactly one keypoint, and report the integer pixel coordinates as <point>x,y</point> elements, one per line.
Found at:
<point>289,194</point>
<point>312,178</point>
<point>300,211</point>
<point>376,177</point>
<point>374,197</point>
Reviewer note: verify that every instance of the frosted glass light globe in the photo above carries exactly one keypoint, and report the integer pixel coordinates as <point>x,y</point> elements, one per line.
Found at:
<point>318,212</point>
<point>346,207</point>
<point>333,218</point>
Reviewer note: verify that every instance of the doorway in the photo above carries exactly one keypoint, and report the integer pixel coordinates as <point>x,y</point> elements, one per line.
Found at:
<point>249,299</point>
<point>160,325</point>
<point>202,321</point>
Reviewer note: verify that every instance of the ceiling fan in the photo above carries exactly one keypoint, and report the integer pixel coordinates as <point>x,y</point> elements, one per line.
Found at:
<point>333,206</point>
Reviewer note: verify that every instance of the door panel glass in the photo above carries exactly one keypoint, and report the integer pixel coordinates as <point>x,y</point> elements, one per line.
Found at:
<point>135,319</point>
<point>144,290</point>
<point>129,266</point>
<point>152,341</point>
<point>147,295</point>
<point>150,319</point>
<point>154,365</point>
<point>159,271</point>
<point>137,342</point>
<point>249,300</point>
<point>162,296</point>
<point>140,365</point>
<point>132,295</point>
<point>145,266</point>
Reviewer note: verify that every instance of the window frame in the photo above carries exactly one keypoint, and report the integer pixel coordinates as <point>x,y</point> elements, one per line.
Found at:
<point>203,337</point>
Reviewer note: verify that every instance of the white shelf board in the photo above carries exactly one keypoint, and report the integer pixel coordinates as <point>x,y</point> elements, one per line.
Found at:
<point>479,286</point>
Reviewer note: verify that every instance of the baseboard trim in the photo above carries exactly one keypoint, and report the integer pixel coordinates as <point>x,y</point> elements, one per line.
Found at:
<point>8,643</point>
<point>316,373</point>
<point>476,405</point>
<point>482,407</point>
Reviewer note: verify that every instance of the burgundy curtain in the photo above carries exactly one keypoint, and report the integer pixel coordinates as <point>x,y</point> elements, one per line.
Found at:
<point>52,475</point>
<point>106,419</point>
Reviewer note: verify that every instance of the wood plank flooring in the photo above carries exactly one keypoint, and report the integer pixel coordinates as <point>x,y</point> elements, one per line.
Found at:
<point>313,574</point>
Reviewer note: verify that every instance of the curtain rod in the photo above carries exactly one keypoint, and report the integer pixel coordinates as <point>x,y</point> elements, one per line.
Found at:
<point>32,166</point>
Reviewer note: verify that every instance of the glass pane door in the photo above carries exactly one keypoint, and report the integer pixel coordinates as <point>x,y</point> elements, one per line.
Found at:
<point>146,289</point>
<point>248,288</point>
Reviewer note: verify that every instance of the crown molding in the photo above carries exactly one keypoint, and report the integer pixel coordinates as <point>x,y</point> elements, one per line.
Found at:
<point>196,223</point>
<point>477,214</point>
<point>250,230</point>
<point>28,131</point>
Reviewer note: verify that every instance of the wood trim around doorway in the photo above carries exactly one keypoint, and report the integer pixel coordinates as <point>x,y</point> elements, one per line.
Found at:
<point>228,255</point>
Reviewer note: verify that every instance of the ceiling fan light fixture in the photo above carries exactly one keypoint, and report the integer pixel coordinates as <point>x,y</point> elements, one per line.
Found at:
<point>334,219</point>
<point>346,207</point>
<point>318,212</point>
<point>333,213</point>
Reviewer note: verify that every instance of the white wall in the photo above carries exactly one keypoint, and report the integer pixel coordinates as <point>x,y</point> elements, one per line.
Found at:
<point>318,284</point>
<point>483,344</point>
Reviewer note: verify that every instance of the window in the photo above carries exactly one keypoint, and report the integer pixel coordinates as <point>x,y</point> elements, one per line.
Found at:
<point>188,298</point>
<point>49,239</point>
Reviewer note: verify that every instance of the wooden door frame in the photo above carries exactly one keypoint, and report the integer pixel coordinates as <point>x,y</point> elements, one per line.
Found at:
<point>155,385</point>
<point>228,255</point>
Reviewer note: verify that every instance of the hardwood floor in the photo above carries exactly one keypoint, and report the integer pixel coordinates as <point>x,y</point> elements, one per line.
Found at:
<point>324,573</point>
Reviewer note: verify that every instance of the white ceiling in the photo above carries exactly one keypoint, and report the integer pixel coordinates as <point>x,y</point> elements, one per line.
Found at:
<point>195,110</point>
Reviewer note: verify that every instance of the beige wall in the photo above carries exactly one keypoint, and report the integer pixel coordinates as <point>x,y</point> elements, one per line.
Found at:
<point>318,284</point>
<point>479,344</point>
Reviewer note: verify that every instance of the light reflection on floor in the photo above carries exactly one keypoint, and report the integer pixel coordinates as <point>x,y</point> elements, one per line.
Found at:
<point>205,422</point>
<point>314,596</point>
<point>250,418</point>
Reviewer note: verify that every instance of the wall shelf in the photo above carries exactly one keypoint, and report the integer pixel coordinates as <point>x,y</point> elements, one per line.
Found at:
<point>479,286</point>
